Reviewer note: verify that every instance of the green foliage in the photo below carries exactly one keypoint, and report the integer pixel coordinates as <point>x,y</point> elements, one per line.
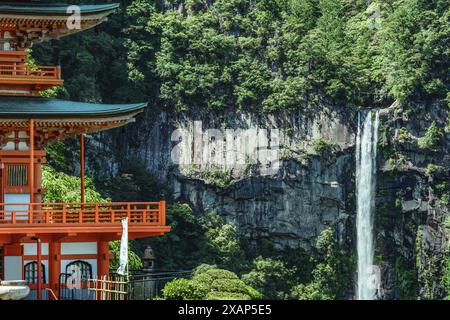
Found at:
<point>403,135</point>
<point>331,274</point>
<point>432,137</point>
<point>60,187</point>
<point>56,154</point>
<point>273,278</point>
<point>134,261</point>
<point>433,169</point>
<point>212,284</point>
<point>184,289</point>
<point>218,177</point>
<point>445,280</point>
<point>442,190</point>
<point>398,204</point>
<point>135,184</point>
<point>321,146</point>
<point>407,280</point>
<point>223,243</point>
<point>274,55</point>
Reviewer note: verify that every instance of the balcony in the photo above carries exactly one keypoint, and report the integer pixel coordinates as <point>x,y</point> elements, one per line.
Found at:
<point>76,220</point>
<point>19,78</point>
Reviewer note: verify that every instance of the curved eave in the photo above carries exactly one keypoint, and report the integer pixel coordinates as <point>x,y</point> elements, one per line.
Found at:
<point>23,108</point>
<point>48,9</point>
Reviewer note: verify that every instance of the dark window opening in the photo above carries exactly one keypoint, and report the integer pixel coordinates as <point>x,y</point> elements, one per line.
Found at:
<point>17,175</point>
<point>30,273</point>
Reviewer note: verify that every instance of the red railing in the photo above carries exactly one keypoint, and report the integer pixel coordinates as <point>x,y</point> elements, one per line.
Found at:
<point>139,213</point>
<point>22,71</point>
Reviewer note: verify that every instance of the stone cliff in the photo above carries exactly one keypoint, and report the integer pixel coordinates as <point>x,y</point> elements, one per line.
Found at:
<point>311,186</point>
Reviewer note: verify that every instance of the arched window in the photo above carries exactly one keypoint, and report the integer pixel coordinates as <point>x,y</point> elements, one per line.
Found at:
<point>83,268</point>
<point>30,272</point>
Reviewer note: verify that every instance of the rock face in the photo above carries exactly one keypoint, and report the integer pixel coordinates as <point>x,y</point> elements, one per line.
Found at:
<point>303,179</point>
<point>282,177</point>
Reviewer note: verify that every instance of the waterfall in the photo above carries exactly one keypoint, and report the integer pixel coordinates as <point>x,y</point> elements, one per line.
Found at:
<point>366,153</point>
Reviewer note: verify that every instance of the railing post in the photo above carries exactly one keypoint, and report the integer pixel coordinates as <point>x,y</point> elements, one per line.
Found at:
<point>162,213</point>
<point>80,215</point>
<point>64,212</point>
<point>129,212</point>
<point>96,213</point>
<point>30,214</point>
<point>13,217</point>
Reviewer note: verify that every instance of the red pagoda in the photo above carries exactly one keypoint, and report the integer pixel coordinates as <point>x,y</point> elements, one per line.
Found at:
<point>59,235</point>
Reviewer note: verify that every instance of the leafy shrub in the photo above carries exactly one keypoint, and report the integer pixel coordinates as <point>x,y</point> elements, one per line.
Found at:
<point>273,278</point>
<point>184,289</point>
<point>321,146</point>
<point>432,169</point>
<point>432,137</point>
<point>60,187</point>
<point>203,268</point>
<point>212,284</point>
<point>331,274</point>
<point>134,261</point>
<point>403,135</point>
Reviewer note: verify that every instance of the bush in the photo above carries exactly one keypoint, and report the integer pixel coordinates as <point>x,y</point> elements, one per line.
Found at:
<point>212,284</point>
<point>271,277</point>
<point>203,268</point>
<point>184,289</point>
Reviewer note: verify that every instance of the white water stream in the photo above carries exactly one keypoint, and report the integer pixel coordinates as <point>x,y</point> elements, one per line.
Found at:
<point>366,153</point>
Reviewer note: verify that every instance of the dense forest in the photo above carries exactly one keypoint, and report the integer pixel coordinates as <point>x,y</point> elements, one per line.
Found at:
<point>261,56</point>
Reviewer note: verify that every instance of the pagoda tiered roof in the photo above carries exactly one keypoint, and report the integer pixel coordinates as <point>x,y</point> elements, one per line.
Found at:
<point>34,22</point>
<point>56,119</point>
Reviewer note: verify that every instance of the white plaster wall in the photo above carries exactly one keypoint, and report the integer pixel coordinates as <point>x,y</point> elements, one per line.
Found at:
<point>17,198</point>
<point>30,249</point>
<point>79,248</point>
<point>13,268</point>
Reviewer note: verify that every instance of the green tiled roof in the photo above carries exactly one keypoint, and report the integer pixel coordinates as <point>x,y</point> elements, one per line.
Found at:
<point>23,107</point>
<point>52,8</point>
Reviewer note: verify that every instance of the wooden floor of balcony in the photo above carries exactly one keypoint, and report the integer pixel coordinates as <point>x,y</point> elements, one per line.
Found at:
<point>19,221</point>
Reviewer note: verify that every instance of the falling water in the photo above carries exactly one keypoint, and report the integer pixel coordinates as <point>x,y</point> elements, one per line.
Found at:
<point>366,152</point>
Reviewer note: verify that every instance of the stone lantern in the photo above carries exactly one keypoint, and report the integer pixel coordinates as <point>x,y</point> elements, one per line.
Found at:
<point>148,259</point>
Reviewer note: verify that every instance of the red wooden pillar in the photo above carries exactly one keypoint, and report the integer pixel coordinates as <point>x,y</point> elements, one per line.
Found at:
<point>103,258</point>
<point>39,269</point>
<point>54,266</point>
<point>31,173</point>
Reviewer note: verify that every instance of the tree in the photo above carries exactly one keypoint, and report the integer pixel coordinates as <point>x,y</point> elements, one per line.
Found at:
<point>331,274</point>
<point>271,277</point>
